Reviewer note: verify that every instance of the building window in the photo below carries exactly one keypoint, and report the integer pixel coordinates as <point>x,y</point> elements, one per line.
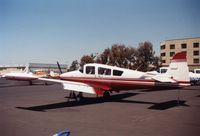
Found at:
<point>195,60</point>
<point>163,54</point>
<point>172,54</point>
<point>185,52</point>
<point>183,45</point>
<point>163,61</point>
<point>172,46</point>
<point>162,47</point>
<point>196,53</point>
<point>195,45</point>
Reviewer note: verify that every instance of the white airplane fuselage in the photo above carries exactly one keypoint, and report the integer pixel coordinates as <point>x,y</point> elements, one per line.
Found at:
<point>115,79</point>
<point>20,76</point>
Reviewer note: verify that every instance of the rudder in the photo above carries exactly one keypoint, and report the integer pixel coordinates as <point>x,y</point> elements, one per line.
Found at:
<point>178,68</point>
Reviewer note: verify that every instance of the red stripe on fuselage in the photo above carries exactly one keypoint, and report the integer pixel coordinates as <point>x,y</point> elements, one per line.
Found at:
<point>120,83</point>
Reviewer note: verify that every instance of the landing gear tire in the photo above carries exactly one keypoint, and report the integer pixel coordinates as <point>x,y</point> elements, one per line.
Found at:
<point>77,98</point>
<point>106,94</point>
<point>30,83</point>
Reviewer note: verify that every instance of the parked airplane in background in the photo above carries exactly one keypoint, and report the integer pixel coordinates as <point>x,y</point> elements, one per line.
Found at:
<point>194,75</point>
<point>25,75</point>
<point>102,79</point>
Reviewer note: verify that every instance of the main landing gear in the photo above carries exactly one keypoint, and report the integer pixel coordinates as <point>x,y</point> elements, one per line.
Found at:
<point>77,97</point>
<point>30,82</point>
<point>106,94</point>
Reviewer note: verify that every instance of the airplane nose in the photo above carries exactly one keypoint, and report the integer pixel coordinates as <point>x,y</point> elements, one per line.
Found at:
<point>62,75</point>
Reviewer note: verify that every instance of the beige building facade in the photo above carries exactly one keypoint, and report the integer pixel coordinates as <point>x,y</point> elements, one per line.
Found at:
<point>189,45</point>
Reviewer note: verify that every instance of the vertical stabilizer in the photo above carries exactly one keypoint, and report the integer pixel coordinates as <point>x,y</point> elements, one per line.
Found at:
<point>26,70</point>
<point>178,68</point>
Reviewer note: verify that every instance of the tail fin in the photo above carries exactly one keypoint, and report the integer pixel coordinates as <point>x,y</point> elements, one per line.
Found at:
<point>178,68</point>
<point>26,70</point>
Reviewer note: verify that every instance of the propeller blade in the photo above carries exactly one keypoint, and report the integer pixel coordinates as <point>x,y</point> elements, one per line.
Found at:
<point>59,67</point>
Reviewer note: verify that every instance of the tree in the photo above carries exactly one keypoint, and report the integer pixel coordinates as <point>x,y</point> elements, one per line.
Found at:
<point>74,66</point>
<point>119,55</point>
<point>127,57</point>
<point>145,55</point>
<point>105,56</point>
<point>87,59</point>
<point>157,62</point>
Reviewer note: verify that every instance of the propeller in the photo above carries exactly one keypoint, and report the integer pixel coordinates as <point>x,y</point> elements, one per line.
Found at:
<point>59,67</point>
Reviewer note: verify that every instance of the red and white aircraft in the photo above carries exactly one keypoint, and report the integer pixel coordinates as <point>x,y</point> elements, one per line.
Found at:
<point>25,75</point>
<point>101,79</point>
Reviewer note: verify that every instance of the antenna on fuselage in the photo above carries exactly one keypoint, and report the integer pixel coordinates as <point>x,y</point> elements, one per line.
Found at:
<point>139,67</point>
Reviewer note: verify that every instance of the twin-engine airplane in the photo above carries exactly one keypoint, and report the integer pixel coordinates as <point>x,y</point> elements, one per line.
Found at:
<point>102,79</point>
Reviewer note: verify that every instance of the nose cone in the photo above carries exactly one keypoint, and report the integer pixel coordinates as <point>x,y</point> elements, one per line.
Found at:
<point>62,75</point>
<point>68,74</point>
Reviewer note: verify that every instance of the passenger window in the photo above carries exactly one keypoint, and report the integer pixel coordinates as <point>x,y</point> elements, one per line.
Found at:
<point>163,70</point>
<point>90,70</point>
<point>104,71</point>
<point>117,73</point>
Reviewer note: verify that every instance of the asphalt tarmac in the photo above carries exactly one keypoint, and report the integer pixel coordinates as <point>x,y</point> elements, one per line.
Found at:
<point>43,110</point>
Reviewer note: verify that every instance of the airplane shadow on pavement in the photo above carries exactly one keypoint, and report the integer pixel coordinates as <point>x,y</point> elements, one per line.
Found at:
<point>113,98</point>
<point>85,101</point>
<point>168,104</point>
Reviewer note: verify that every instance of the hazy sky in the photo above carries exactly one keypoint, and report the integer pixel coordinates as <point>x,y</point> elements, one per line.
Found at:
<point>64,30</point>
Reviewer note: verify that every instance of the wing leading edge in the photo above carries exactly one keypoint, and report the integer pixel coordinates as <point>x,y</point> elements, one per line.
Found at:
<point>75,86</point>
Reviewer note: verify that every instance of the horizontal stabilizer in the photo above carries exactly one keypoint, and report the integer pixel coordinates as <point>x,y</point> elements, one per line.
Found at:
<point>163,78</point>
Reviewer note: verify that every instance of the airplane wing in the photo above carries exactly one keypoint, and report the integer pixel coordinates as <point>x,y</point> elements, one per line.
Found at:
<point>76,86</point>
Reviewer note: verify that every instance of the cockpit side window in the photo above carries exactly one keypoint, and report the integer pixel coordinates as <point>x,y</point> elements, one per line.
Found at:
<point>90,70</point>
<point>104,71</point>
<point>117,72</point>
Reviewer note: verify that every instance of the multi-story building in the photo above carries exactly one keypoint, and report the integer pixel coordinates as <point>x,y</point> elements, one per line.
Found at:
<point>189,45</point>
